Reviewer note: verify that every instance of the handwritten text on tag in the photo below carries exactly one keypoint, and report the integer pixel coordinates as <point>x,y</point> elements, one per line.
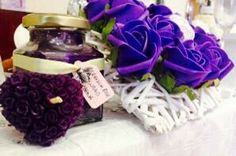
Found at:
<point>96,89</point>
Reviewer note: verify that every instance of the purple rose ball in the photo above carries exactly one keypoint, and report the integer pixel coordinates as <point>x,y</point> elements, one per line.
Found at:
<point>25,99</point>
<point>122,10</point>
<point>138,48</point>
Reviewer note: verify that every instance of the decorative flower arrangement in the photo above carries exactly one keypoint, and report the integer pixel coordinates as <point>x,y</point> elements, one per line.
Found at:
<point>148,37</point>
<point>167,70</point>
<point>164,70</point>
<point>43,107</point>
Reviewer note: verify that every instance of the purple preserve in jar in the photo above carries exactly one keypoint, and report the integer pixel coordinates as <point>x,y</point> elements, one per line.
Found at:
<point>61,38</point>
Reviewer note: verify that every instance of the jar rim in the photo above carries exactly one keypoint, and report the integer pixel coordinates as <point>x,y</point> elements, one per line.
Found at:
<point>55,20</point>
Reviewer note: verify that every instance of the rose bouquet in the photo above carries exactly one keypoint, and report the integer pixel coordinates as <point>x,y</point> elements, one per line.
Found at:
<point>164,70</point>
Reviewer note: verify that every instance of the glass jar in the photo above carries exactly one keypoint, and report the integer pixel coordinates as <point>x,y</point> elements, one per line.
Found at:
<point>61,38</point>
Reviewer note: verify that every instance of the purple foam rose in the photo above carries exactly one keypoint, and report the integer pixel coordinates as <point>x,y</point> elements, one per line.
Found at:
<point>25,122</point>
<point>40,127</point>
<point>35,82</point>
<point>22,109</point>
<point>52,132</point>
<point>36,138</point>
<point>34,96</point>
<point>159,10</point>
<point>37,110</point>
<point>208,45</point>
<point>160,22</point>
<point>63,123</point>
<point>122,10</point>
<point>10,102</point>
<point>166,28</point>
<point>65,109</point>
<point>18,79</point>
<point>21,91</point>
<point>138,48</point>
<point>194,62</point>
<point>188,66</point>
<point>51,117</point>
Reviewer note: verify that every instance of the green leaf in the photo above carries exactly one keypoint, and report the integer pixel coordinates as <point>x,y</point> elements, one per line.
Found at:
<point>180,89</point>
<point>217,82</point>
<point>82,13</point>
<point>184,88</point>
<point>107,29</point>
<point>160,59</point>
<point>158,70</point>
<point>98,26</point>
<point>113,56</point>
<point>209,83</point>
<point>192,96</point>
<point>146,77</point>
<point>168,82</point>
<point>107,7</point>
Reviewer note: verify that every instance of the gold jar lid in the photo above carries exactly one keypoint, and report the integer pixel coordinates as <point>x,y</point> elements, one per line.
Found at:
<point>55,20</point>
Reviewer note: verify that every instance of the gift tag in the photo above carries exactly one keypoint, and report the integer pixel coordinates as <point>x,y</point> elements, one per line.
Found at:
<point>96,89</point>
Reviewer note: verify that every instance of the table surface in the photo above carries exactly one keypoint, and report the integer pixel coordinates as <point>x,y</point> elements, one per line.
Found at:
<point>121,134</point>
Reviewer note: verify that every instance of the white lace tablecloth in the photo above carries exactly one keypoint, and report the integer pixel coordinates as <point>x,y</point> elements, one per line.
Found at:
<point>121,134</point>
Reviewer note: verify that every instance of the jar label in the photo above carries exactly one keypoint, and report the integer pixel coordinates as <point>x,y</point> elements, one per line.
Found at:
<point>96,89</point>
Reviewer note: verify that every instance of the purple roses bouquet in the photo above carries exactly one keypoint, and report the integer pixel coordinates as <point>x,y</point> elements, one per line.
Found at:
<point>147,40</point>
